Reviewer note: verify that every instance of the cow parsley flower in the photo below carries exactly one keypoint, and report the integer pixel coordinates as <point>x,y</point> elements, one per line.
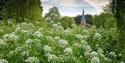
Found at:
<point>94,54</point>
<point>63,43</point>
<point>32,60</point>
<point>112,54</point>
<point>78,36</point>
<point>68,30</point>
<point>55,26</point>
<point>97,36</point>
<point>68,51</point>
<point>25,53</point>
<point>47,49</point>
<point>29,41</point>
<point>3,61</point>
<point>13,37</point>
<point>95,60</point>
<point>10,37</point>
<point>52,57</point>
<point>87,48</point>
<point>122,62</point>
<point>38,34</point>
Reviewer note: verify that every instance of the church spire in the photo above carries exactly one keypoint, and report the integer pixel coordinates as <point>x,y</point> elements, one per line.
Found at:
<point>83,20</point>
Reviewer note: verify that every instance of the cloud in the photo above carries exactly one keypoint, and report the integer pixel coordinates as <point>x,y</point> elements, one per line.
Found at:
<point>97,4</point>
<point>74,7</point>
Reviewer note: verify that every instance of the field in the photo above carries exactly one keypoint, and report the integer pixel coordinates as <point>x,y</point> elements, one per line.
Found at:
<point>31,43</point>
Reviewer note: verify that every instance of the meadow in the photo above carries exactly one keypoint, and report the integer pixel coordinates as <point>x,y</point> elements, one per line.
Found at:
<point>28,42</point>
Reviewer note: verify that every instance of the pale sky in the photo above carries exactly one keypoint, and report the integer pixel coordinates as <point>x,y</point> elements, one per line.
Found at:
<point>74,7</point>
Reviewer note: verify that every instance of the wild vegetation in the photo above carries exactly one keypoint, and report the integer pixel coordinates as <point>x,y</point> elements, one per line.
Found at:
<point>27,37</point>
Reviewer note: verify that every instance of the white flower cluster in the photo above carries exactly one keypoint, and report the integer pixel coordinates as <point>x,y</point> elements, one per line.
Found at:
<point>68,51</point>
<point>25,53</point>
<point>95,60</point>
<point>52,57</point>
<point>38,34</point>
<point>68,30</point>
<point>47,49</point>
<point>56,26</point>
<point>29,41</point>
<point>10,37</point>
<point>94,54</point>
<point>112,54</point>
<point>32,60</point>
<point>78,36</point>
<point>63,43</point>
<point>3,61</point>
<point>97,36</point>
<point>87,49</point>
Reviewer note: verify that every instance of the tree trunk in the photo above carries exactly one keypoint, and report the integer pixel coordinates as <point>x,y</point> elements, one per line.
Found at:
<point>30,9</point>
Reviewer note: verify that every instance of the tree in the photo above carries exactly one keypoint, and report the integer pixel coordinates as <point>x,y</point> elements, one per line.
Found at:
<point>118,9</point>
<point>30,9</point>
<point>88,18</point>
<point>53,14</point>
<point>67,21</point>
<point>104,20</point>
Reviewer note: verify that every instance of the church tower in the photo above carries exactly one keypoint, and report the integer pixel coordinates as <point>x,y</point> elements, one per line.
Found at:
<point>83,20</point>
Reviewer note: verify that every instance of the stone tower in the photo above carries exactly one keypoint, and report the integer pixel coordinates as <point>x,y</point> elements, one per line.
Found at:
<point>83,20</point>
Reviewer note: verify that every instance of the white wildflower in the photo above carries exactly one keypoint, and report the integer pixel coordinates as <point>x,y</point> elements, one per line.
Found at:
<point>52,57</point>
<point>112,54</point>
<point>25,53</point>
<point>94,54</point>
<point>95,60</point>
<point>29,41</point>
<point>68,51</point>
<point>107,59</point>
<point>68,30</point>
<point>63,43</point>
<point>97,36</point>
<point>87,48</point>
<point>78,36</point>
<point>24,31</point>
<point>10,37</point>
<point>13,37</point>
<point>55,26</point>
<point>38,34</point>
<point>3,61</point>
<point>47,49</point>
<point>122,62</point>
<point>32,60</point>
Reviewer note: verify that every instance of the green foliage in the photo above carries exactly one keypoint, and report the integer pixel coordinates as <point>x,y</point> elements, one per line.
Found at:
<point>67,21</point>
<point>20,9</point>
<point>104,20</point>
<point>118,9</point>
<point>30,43</point>
<point>53,15</point>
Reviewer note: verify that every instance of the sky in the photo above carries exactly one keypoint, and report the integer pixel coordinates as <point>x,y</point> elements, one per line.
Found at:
<point>74,7</point>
